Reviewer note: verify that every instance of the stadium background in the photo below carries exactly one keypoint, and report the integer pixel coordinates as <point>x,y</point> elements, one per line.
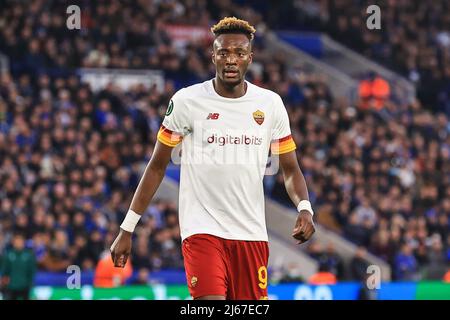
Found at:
<point>369,110</point>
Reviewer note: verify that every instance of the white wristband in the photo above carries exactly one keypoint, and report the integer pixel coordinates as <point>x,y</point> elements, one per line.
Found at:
<point>130,221</point>
<point>305,205</point>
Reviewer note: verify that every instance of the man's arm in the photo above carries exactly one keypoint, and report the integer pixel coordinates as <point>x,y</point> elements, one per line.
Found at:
<point>149,183</point>
<point>152,177</point>
<point>295,184</point>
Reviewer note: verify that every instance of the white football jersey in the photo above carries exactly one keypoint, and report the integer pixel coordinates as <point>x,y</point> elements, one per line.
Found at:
<point>225,146</point>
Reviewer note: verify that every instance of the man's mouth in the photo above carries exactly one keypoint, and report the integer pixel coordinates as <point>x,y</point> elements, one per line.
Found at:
<point>231,73</point>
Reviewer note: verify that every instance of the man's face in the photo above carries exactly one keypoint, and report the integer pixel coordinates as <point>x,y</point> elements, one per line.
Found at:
<point>18,242</point>
<point>231,56</point>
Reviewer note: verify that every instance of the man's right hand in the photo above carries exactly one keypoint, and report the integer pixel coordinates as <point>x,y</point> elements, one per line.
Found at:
<point>121,248</point>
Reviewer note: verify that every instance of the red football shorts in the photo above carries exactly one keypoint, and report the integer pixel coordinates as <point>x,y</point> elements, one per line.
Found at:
<point>234,269</point>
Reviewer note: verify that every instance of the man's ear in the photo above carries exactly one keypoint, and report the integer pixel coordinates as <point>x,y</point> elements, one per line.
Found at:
<point>213,57</point>
<point>251,57</point>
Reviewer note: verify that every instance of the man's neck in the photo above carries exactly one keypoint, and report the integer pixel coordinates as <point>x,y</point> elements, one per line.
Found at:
<point>223,90</point>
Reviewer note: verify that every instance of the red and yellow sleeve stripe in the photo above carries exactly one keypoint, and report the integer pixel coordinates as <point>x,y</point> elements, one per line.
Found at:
<point>283,145</point>
<point>168,137</point>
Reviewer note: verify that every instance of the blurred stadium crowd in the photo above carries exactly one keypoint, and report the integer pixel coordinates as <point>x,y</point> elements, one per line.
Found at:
<point>71,158</point>
<point>414,38</point>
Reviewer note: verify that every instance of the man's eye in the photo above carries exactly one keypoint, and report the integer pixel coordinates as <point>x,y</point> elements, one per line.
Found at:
<point>223,54</point>
<point>241,55</point>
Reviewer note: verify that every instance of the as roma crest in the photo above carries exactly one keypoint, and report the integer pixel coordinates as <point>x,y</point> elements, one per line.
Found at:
<point>258,115</point>
<point>194,281</point>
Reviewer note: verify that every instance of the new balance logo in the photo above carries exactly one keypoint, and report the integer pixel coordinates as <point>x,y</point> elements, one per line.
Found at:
<point>213,116</point>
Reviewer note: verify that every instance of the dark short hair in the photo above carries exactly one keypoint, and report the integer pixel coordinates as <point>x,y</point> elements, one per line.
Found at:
<point>233,25</point>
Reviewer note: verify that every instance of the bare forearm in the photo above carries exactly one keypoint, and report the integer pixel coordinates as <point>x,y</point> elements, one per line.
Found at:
<point>150,181</point>
<point>295,184</point>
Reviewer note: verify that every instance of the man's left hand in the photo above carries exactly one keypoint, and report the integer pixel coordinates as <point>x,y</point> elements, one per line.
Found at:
<point>304,227</point>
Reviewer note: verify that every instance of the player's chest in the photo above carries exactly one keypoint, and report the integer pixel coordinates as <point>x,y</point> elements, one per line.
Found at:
<point>219,115</point>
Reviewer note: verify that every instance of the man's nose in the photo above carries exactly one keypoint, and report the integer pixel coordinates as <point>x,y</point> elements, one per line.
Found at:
<point>231,59</point>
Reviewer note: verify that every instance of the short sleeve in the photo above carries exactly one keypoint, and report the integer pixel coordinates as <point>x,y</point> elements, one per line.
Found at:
<point>282,141</point>
<point>176,122</point>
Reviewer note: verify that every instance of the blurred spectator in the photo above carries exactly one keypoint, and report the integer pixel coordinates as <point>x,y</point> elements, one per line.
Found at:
<point>365,212</point>
<point>143,277</point>
<point>356,232</point>
<point>323,277</point>
<point>315,250</point>
<point>107,276</point>
<point>383,246</point>
<point>446,277</point>
<point>436,260</point>
<point>17,270</point>
<point>359,265</point>
<point>290,272</point>
<point>56,257</point>
<point>141,259</point>
<point>333,261</point>
<point>405,264</point>
<point>374,92</point>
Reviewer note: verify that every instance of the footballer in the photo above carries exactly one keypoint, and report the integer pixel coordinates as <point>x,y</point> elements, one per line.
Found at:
<point>226,126</point>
